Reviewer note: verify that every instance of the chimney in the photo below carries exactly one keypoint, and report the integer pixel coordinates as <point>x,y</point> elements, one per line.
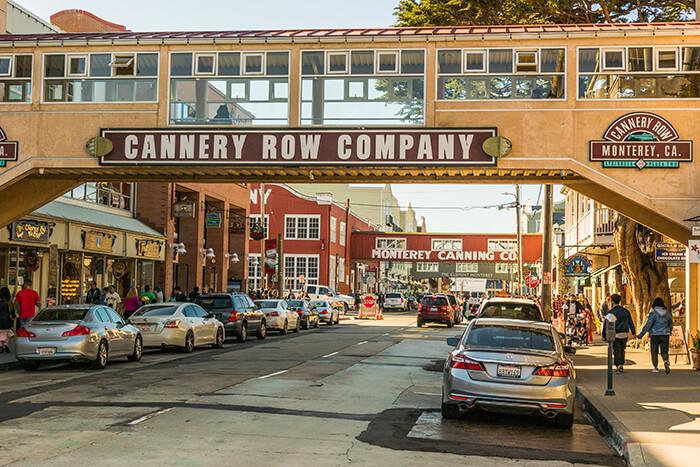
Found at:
<point>3,16</point>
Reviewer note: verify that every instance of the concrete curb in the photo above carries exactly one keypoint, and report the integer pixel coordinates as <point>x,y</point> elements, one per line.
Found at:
<point>611,427</point>
<point>7,366</point>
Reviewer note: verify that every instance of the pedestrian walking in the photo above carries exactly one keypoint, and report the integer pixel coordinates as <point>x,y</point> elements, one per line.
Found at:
<point>28,300</point>
<point>7,319</point>
<point>659,325</point>
<point>380,301</point>
<point>178,295</point>
<point>94,295</point>
<point>194,294</point>
<point>131,302</point>
<point>147,297</point>
<point>159,294</point>
<point>623,327</point>
<point>105,291</point>
<point>112,298</point>
<point>589,318</point>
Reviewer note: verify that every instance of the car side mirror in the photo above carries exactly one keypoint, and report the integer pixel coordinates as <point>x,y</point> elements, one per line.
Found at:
<point>569,350</point>
<point>453,341</point>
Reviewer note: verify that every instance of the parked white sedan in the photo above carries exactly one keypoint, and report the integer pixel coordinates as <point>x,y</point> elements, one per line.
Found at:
<point>279,316</point>
<point>185,325</point>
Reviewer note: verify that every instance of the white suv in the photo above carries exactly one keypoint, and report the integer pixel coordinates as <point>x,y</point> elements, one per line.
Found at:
<point>395,301</point>
<point>323,292</point>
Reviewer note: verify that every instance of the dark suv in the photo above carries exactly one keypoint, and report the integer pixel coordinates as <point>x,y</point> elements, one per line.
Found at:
<point>238,313</point>
<point>435,309</point>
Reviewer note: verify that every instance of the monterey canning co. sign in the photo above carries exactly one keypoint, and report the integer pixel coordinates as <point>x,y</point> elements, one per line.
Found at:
<point>641,139</point>
<point>462,146</point>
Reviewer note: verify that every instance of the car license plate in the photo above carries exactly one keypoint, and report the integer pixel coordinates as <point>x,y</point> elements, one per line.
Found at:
<point>433,309</point>
<point>46,351</point>
<point>508,371</point>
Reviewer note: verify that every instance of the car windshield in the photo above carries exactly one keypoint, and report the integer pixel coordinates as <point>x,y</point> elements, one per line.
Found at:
<point>297,303</point>
<point>61,314</point>
<point>319,304</point>
<point>164,310</point>
<point>434,301</point>
<point>393,295</point>
<point>511,311</point>
<point>510,337</point>
<point>213,303</point>
<point>268,303</point>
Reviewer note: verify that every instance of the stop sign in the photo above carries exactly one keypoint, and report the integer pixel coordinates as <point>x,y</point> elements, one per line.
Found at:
<point>531,281</point>
<point>368,301</point>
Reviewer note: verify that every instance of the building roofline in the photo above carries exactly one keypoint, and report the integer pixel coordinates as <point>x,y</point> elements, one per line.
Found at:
<point>121,27</point>
<point>32,15</point>
<point>368,34</point>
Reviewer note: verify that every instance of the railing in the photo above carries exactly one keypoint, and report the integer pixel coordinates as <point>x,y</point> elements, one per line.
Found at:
<point>586,231</point>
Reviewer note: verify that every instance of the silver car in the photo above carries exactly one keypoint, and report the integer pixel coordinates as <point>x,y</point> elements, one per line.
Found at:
<point>75,333</point>
<point>509,366</point>
<point>279,316</point>
<point>326,312</point>
<point>173,324</point>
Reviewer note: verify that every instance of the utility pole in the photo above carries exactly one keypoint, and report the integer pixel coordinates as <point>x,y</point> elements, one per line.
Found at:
<point>546,227</point>
<point>520,240</point>
<point>280,266</point>
<point>262,242</point>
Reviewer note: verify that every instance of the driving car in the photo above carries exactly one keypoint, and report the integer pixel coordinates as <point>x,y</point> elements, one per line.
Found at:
<point>395,301</point>
<point>175,324</point>
<point>509,366</point>
<point>308,314</point>
<point>455,307</point>
<point>76,333</point>
<point>326,312</point>
<point>279,316</point>
<point>435,309</point>
<point>510,308</point>
<point>241,317</point>
<point>323,292</point>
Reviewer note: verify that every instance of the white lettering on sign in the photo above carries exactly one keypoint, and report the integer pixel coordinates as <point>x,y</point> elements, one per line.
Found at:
<point>405,143</point>
<point>204,147</point>
<point>309,146</point>
<point>425,150</point>
<point>384,146</point>
<point>130,150</point>
<point>344,152</point>
<point>429,255</point>
<point>269,150</point>
<point>446,146</point>
<point>186,146</point>
<point>219,151</point>
<point>238,141</point>
<point>167,146</point>
<point>288,147</point>
<point>364,147</point>
<point>466,142</point>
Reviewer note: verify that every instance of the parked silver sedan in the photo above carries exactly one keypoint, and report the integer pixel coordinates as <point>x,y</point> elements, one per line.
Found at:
<point>172,324</point>
<point>75,333</point>
<point>327,313</point>
<point>279,316</point>
<point>509,366</point>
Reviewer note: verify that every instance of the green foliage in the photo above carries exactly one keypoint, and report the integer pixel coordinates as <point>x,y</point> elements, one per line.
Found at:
<point>490,12</point>
<point>696,340</point>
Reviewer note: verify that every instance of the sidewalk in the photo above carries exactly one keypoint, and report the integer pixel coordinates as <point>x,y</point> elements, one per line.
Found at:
<point>654,418</point>
<point>8,360</point>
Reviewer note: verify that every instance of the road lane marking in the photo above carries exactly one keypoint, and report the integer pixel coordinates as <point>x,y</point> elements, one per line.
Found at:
<point>330,354</point>
<point>272,374</point>
<point>149,416</point>
<point>385,334</point>
<point>363,342</point>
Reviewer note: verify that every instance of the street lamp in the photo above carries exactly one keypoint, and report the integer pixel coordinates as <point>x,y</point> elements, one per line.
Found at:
<point>520,237</point>
<point>234,257</point>
<point>209,253</point>
<point>178,248</point>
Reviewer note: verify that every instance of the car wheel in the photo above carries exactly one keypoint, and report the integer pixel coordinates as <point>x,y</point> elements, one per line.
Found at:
<point>306,324</point>
<point>262,332</point>
<point>243,335</point>
<point>318,321</point>
<point>330,321</point>
<point>450,324</point>
<point>564,420</point>
<point>30,366</point>
<point>138,350</point>
<point>220,338</point>
<point>449,411</point>
<point>102,356</point>
<point>296,329</point>
<point>284,331</point>
<point>189,342</point>
<point>419,323</point>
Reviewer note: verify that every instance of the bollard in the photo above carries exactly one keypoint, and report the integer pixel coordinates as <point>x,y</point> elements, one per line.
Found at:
<point>610,338</point>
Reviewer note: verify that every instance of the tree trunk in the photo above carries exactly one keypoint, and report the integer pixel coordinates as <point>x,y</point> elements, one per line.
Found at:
<point>648,278</point>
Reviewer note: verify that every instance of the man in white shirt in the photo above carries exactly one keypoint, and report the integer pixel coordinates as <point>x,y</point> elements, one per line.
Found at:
<point>112,298</point>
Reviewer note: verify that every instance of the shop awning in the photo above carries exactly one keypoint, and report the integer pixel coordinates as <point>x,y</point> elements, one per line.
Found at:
<point>86,215</point>
<point>601,271</point>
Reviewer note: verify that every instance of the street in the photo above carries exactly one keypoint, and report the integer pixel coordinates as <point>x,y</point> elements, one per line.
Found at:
<point>365,392</point>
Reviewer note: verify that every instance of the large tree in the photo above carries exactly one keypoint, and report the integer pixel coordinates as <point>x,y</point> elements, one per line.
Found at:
<point>488,12</point>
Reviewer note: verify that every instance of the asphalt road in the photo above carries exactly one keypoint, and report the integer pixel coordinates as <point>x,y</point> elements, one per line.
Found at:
<point>365,392</point>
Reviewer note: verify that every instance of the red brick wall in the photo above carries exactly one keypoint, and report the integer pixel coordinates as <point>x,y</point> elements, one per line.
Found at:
<point>83,21</point>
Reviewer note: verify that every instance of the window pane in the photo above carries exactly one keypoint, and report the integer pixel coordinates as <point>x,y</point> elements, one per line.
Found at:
<point>449,61</point>
<point>387,62</point>
<point>691,58</point>
<point>588,60</point>
<point>501,61</point>
<point>23,66</point>
<point>205,64</point>
<point>229,64</point>
<point>312,63</point>
<point>362,63</point>
<point>5,65</point>
<point>99,65</point>
<point>181,64</point>
<point>54,66</point>
<point>613,59</point>
<point>552,60</point>
<point>253,63</point>
<point>474,61</point>
<point>337,63</point>
<point>277,63</point>
<point>412,61</point>
<point>77,65</point>
<point>147,65</point>
<point>640,59</point>
<point>667,59</point>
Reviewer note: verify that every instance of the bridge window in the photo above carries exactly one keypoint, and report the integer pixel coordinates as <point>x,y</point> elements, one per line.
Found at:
<point>15,78</point>
<point>229,88</point>
<point>484,74</point>
<point>390,243</point>
<point>427,267</point>
<point>116,195</point>
<point>639,73</point>
<point>451,244</point>
<point>366,94</point>
<point>505,268</point>
<point>502,245</point>
<point>467,267</point>
<point>101,77</point>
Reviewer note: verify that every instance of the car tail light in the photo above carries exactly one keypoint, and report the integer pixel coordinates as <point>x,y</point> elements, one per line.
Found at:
<point>420,307</point>
<point>233,316</point>
<point>324,312</point>
<point>77,331</point>
<point>555,369</point>
<point>24,333</point>
<point>556,406</point>
<point>273,313</point>
<point>173,323</point>
<point>466,363</point>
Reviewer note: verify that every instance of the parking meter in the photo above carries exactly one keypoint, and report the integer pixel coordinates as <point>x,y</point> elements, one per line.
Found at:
<point>610,328</point>
<point>609,324</point>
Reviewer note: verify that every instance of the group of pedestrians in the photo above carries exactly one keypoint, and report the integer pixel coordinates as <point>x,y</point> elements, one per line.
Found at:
<point>18,311</point>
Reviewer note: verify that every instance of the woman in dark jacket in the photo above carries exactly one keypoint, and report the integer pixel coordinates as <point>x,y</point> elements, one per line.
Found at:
<point>6,319</point>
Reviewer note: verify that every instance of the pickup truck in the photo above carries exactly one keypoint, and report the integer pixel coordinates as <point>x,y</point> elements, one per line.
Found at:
<point>323,292</point>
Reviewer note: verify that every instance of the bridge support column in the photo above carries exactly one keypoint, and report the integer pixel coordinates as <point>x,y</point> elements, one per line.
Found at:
<point>692,298</point>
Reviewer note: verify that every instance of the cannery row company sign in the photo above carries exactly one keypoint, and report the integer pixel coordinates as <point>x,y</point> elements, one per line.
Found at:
<point>641,139</point>
<point>8,149</point>
<point>463,146</point>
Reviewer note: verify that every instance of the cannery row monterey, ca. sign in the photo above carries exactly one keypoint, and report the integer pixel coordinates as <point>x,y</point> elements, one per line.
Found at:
<point>298,147</point>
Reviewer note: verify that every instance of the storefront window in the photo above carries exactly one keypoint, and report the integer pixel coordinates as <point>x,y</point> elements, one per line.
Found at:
<point>70,279</point>
<point>144,275</point>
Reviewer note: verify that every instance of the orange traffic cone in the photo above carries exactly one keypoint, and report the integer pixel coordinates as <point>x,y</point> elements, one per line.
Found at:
<point>379,314</point>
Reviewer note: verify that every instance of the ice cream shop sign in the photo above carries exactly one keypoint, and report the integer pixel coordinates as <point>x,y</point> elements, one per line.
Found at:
<point>641,139</point>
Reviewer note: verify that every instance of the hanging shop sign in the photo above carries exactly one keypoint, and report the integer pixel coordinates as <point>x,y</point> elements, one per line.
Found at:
<point>212,220</point>
<point>578,265</point>
<point>641,139</point>
<point>149,248</point>
<point>119,268</point>
<point>236,225</point>
<point>415,147</point>
<point>184,209</point>
<point>694,251</point>
<point>8,149</point>
<point>30,231</point>
<point>257,231</point>
<point>270,256</point>
<point>98,241</point>
<point>31,261</point>
<point>669,252</point>
<point>695,231</point>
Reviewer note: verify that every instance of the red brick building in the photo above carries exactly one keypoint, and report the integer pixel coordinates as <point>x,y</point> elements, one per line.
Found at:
<point>83,21</point>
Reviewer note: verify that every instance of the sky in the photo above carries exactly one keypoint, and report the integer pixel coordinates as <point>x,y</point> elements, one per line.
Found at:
<point>447,208</point>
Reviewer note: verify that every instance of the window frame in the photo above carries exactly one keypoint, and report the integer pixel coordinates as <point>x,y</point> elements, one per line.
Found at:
<point>10,67</point>
<point>482,52</point>
<point>195,63</point>
<point>605,51</point>
<point>377,62</point>
<point>70,57</point>
<point>658,50</point>
<point>244,64</point>
<point>516,61</point>
<point>333,228</point>
<point>378,240</point>
<point>428,266</point>
<point>452,241</point>
<point>342,233</point>
<point>12,76</point>
<point>473,267</point>
<point>345,53</point>
<point>296,218</point>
